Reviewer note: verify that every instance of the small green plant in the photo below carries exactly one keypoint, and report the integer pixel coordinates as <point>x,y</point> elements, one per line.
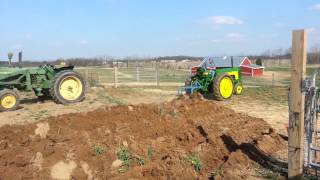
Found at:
<point>150,152</point>
<point>124,155</point>
<point>98,149</point>
<point>194,160</point>
<point>109,99</point>
<point>141,161</point>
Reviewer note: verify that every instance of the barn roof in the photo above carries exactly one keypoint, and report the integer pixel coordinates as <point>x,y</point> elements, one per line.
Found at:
<point>226,61</point>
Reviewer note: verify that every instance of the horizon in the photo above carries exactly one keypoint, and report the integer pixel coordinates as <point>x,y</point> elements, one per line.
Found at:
<point>122,28</point>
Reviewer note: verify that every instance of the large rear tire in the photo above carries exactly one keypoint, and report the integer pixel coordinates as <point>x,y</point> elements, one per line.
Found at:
<point>68,87</point>
<point>9,100</point>
<point>223,87</point>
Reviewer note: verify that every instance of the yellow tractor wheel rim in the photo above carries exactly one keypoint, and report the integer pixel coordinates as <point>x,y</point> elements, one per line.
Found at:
<point>226,87</point>
<point>239,89</point>
<point>8,101</point>
<point>70,88</point>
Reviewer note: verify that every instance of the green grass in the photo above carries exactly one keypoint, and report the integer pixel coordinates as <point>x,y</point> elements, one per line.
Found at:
<point>195,161</point>
<point>277,69</point>
<point>141,161</point>
<point>39,115</point>
<point>124,155</point>
<point>267,94</point>
<point>105,98</point>
<point>98,150</point>
<point>309,70</point>
<point>151,152</point>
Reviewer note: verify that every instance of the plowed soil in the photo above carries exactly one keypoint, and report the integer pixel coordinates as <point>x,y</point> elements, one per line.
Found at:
<point>158,138</point>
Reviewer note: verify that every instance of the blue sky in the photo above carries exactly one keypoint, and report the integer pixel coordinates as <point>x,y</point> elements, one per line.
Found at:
<point>50,29</point>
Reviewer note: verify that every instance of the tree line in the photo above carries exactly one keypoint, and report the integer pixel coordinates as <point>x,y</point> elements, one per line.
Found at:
<point>313,58</point>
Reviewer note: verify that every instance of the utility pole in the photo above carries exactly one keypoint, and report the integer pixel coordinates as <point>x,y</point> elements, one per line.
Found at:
<point>297,102</point>
<point>20,59</point>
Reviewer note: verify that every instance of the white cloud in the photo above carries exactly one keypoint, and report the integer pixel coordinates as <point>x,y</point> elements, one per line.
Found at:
<point>227,20</point>
<point>315,7</point>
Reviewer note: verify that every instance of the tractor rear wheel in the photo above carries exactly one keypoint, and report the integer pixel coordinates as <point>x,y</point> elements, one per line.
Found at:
<point>9,100</point>
<point>223,87</point>
<point>68,87</point>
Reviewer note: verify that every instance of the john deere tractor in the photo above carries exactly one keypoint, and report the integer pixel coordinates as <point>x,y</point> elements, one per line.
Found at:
<point>207,78</point>
<point>61,83</point>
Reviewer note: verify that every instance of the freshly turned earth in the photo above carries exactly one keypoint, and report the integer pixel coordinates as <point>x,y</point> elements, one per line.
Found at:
<point>230,145</point>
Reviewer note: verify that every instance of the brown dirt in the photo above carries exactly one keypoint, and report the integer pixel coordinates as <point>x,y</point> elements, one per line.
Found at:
<point>33,110</point>
<point>227,143</point>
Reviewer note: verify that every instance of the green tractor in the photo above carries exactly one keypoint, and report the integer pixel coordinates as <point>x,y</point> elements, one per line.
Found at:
<point>61,83</point>
<point>206,78</point>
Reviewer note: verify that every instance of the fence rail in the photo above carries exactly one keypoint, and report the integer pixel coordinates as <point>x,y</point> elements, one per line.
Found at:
<point>164,76</point>
<point>134,76</point>
<point>140,76</point>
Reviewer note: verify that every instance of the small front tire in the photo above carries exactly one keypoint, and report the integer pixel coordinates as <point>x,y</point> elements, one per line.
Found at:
<point>9,100</point>
<point>238,89</point>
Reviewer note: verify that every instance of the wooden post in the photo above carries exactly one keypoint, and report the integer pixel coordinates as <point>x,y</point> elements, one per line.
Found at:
<point>87,74</point>
<point>157,73</point>
<point>272,79</point>
<point>137,74</point>
<point>296,114</point>
<point>115,76</point>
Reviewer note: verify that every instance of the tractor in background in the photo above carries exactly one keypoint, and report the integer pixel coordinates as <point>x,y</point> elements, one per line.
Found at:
<point>206,78</point>
<point>61,83</point>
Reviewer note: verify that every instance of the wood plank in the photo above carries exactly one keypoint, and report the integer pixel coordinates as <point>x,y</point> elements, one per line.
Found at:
<point>297,101</point>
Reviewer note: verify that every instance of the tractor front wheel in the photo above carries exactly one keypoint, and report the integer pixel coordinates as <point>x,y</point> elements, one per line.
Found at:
<point>9,100</point>
<point>223,87</point>
<point>238,89</point>
<point>68,87</point>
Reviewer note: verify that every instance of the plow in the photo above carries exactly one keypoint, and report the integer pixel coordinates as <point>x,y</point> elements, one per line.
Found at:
<point>61,83</point>
<point>206,78</point>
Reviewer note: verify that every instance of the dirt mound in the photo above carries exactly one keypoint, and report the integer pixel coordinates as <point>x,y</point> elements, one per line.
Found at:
<point>187,138</point>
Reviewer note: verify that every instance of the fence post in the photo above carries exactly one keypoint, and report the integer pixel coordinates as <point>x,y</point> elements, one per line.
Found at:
<point>115,76</point>
<point>273,79</point>
<point>157,73</point>
<point>138,74</point>
<point>99,79</point>
<point>87,74</point>
<point>297,102</point>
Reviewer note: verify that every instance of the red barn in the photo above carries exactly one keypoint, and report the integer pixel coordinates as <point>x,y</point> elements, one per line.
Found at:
<point>247,68</point>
